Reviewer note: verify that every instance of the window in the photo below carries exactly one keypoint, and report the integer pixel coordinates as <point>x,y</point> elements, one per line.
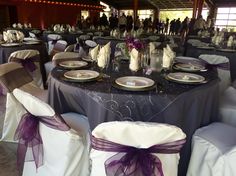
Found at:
<point>143,14</point>
<point>226,18</point>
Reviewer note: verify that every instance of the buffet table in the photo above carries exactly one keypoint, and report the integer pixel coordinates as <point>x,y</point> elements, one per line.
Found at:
<point>186,106</point>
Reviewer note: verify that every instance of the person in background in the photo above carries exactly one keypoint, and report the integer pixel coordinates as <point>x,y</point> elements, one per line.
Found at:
<point>129,22</point>
<point>166,26</point>
<point>191,26</point>
<point>112,22</point>
<point>172,27</point>
<point>103,20</point>
<point>177,26</point>
<point>184,29</point>
<point>199,25</point>
<point>137,23</point>
<point>122,22</point>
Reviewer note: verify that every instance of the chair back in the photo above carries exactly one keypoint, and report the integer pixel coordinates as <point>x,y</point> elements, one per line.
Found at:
<point>70,48</point>
<point>64,56</point>
<point>32,104</point>
<point>30,60</point>
<point>32,35</point>
<point>13,75</point>
<point>84,37</point>
<point>60,46</point>
<point>139,135</point>
<point>223,68</point>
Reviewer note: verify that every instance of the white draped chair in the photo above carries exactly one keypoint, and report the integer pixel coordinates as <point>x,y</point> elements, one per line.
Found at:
<point>98,33</point>
<point>84,37</point>
<point>65,146</point>
<point>213,151</point>
<point>30,60</point>
<point>13,75</point>
<point>228,106</point>
<point>61,56</point>
<point>223,68</point>
<point>112,141</point>
<point>60,46</point>
<point>52,39</point>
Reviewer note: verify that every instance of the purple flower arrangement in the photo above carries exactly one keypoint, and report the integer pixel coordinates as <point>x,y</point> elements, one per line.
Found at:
<point>134,43</point>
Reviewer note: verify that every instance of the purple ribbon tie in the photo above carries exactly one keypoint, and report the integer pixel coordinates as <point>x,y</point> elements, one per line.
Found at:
<point>223,66</point>
<point>28,63</point>
<point>28,135</point>
<point>131,161</point>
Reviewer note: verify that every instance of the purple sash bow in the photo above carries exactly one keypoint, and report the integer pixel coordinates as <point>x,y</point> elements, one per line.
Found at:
<point>28,135</point>
<point>223,66</point>
<point>29,63</point>
<point>131,161</point>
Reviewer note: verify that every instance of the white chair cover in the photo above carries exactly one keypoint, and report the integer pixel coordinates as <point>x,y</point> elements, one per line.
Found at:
<point>19,78</point>
<point>60,46</point>
<point>139,135</point>
<point>84,37</point>
<point>28,54</point>
<point>98,33</point>
<point>224,74</point>
<point>228,106</point>
<point>32,35</point>
<point>66,153</point>
<point>59,56</point>
<point>70,48</point>
<point>51,41</point>
<point>213,151</point>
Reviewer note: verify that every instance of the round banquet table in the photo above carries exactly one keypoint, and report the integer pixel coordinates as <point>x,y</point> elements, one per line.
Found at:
<point>186,106</point>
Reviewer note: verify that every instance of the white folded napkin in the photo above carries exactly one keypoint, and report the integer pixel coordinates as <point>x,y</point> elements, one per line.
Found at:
<point>20,36</point>
<point>25,25</point>
<point>29,25</point>
<point>62,28</point>
<point>94,53</point>
<point>230,41</point>
<point>111,33</point>
<point>213,39</point>
<point>125,34</point>
<point>152,47</point>
<point>134,60</point>
<point>168,57</point>
<point>104,56</point>
<point>14,25</point>
<point>19,25</point>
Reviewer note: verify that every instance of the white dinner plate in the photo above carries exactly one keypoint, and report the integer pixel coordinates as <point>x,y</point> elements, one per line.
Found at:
<point>81,74</point>
<point>32,42</point>
<point>73,64</point>
<point>91,43</point>
<point>134,82</point>
<point>189,67</point>
<point>185,77</point>
<point>10,44</point>
<point>227,50</point>
<point>206,47</point>
<point>87,58</point>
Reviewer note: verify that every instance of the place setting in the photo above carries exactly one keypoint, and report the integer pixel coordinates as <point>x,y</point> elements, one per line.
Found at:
<point>134,83</point>
<point>186,78</point>
<point>73,64</point>
<point>80,76</point>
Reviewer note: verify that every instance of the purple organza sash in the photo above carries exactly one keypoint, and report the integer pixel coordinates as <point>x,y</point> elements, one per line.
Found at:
<point>28,135</point>
<point>54,41</point>
<point>131,161</point>
<point>223,66</point>
<point>28,63</point>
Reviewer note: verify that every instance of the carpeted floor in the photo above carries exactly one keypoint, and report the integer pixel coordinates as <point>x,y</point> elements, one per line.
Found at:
<point>7,150</point>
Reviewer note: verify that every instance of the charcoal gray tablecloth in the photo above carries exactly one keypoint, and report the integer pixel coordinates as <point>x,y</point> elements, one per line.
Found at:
<point>186,106</point>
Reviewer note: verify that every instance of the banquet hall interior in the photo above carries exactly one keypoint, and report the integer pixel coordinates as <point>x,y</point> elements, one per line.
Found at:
<point>117,87</point>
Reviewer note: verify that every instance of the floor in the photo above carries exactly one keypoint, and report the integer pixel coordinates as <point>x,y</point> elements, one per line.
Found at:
<point>7,150</point>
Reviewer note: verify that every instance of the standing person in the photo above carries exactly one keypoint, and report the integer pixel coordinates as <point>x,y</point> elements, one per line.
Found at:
<point>122,22</point>
<point>137,23</point>
<point>177,26</point>
<point>112,22</point>
<point>129,22</point>
<point>166,26</point>
<point>116,21</point>
<point>199,25</point>
<point>184,29</point>
<point>103,20</point>
<point>172,27</point>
